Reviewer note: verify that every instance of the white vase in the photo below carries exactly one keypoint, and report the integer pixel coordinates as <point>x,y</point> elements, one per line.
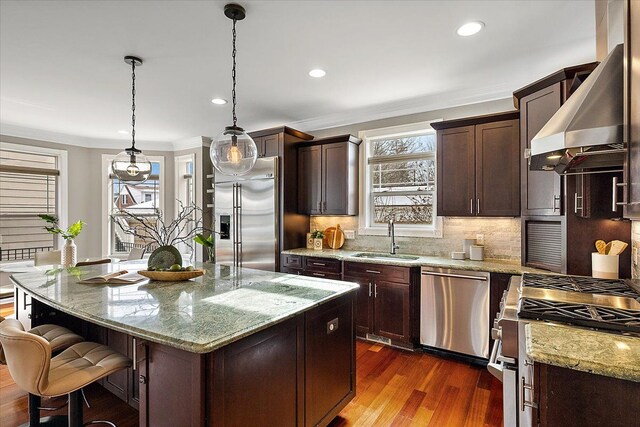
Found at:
<point>69,253</point>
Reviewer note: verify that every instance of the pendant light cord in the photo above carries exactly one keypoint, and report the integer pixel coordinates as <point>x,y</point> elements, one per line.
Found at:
<point>133,104</point>
<point>233,75</point>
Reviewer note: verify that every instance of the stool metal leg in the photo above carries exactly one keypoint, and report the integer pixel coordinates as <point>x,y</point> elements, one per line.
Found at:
<point>75,409</point>
<point>34,410</point>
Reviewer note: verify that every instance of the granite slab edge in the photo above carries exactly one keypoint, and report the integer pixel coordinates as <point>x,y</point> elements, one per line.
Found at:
<point>191,347</point>
<point>584,350</point>
<point>489,265</point>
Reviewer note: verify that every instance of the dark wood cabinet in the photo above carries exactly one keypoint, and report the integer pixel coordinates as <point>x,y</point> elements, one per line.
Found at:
<point>541,191</point>
<point>268,145</point>
<point>387,301</point>
<point>456,171</point>
<point>632,109</point>
<point>497,169</point>
<point>310,180</point>
<point>566,397</point>
<point>328,176</point>
<point>478,166</point>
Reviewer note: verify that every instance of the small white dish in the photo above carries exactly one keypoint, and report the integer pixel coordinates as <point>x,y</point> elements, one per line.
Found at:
<point>457,255</point>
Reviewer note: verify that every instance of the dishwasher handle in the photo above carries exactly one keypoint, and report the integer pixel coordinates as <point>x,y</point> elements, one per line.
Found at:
<point>457,276</point>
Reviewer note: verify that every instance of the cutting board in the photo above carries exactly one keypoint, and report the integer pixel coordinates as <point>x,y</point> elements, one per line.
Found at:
<point>334,237</point>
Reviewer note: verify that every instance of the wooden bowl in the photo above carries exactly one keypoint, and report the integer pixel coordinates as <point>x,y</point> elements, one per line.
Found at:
<point>171,276</point>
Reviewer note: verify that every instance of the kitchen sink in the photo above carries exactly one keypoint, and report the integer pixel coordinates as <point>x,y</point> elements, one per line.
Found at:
<point>374,255</point>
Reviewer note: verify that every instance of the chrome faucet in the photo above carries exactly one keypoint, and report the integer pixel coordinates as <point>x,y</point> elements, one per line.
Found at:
<point>391,232</point>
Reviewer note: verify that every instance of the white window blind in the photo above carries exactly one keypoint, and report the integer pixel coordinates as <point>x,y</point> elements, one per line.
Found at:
<point>28,186</point>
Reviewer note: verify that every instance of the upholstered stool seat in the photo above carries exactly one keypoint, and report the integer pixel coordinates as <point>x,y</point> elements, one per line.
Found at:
<point>28,357</point>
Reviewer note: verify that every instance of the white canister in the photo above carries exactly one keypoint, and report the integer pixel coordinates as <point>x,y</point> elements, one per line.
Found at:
<point>466,247</point>
<point>604,266</point>
<point>477,253</point>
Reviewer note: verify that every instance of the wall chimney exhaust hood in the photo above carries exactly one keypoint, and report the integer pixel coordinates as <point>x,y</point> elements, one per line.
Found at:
<point>586,133</point>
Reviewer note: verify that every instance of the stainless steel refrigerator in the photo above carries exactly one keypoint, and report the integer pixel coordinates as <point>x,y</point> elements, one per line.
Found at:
<point>246,217</point>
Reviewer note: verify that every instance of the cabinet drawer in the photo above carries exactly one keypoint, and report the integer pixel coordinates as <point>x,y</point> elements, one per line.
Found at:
<point>332,276</point>
<point>292,261</point>
<point>390,273</point>
<point>291,270</point>
<point>323,265</point>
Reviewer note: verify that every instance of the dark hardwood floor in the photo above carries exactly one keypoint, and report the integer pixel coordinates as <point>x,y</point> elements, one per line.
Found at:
<point>393,388</point>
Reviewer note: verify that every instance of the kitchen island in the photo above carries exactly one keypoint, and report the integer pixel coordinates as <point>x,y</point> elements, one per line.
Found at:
<point>233,347</point>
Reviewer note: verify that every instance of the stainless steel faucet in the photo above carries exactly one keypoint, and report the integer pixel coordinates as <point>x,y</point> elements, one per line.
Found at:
<point>392,233</point>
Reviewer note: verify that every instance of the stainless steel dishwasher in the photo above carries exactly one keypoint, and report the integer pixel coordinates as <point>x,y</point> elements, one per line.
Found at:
<point>454,311</point>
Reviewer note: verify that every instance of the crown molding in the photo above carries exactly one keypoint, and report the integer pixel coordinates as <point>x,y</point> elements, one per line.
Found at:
<point>405,107</point>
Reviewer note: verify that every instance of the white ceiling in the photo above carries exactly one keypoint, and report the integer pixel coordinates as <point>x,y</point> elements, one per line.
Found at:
<point>62,69</point>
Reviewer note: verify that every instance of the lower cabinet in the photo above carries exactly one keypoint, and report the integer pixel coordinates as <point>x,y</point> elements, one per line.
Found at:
<point>565,397</point>
<point>387,301</point>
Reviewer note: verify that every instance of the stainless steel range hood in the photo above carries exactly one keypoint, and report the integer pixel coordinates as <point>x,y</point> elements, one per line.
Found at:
<point>586,132</point>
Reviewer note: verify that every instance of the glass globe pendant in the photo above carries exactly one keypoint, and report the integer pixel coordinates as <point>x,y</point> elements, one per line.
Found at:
<point>131,165</point>
<point>233,152</point>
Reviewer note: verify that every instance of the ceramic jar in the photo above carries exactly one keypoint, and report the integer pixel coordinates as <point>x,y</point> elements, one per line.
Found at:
<point>69,255</point>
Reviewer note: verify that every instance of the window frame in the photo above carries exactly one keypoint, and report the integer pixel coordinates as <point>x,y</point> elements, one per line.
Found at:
<point>106,202</point>
<point>365,224</point>
<point>62,190</point>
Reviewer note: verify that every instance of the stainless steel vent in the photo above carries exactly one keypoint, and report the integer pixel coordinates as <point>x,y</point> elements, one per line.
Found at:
<point>586,132</point>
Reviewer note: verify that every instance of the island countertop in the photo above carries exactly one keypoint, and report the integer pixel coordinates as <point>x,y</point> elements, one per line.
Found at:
<point>198,316</point>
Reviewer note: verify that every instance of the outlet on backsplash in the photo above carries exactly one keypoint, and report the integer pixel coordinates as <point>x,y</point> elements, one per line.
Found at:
<point>349,234</point>
<point>480,239</point>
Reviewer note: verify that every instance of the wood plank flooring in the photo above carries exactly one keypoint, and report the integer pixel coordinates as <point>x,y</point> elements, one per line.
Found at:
<point>393,388</point>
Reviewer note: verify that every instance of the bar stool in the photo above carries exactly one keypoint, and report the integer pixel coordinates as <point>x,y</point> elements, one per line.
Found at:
<point>28,358</point>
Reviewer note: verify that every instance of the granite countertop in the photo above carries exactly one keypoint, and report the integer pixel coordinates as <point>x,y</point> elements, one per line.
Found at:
<point>198,316</point>
<point>601,353</point>
<point>490,265</point>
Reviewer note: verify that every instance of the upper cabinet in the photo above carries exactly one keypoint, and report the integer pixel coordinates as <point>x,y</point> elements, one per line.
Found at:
<point>632,109</point>
<point>478,166</point>
<point>328,176</point>
<point>542,192</point>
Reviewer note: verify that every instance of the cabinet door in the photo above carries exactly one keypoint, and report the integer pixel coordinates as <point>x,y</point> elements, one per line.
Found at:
<point>392,311</point>
<point>456,172</point>
<point>310,180</point>
<point>259,140</point>
<point>335,185</point>
<point>497,169</point>
<point>118,382</point>
<point>632,80</point>
<point>364,305</point>
<point>541,190</point>
<point>270,145</point>
<point>171,387</point>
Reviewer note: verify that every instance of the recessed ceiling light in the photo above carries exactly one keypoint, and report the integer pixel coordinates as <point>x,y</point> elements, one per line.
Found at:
<point>317,73</point>
<point>470,28</point>
<point>554,156</point>
<point>123,132</point>
<point>219,101</point>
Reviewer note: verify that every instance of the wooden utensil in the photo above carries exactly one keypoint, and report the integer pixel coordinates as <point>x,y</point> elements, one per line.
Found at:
<point>600,245</point>
<point>617,247</point>
<point>607,248</point>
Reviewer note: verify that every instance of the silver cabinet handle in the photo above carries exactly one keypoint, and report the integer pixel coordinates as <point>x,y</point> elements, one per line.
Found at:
<point>575,203</point>
<point>556,199</point>
<point>319,206</point>
<point>470,205</point>
<point>614,195</point>
<point>319,274</point>
<point>373,271</point>
<point>369,289</point>
<point>478,206</point>
<point>134,365</point>
<point>523,401</point>
<point>324,206</point>
<point>318,263</point>
<point>457,276</point>
<point>375,290</point>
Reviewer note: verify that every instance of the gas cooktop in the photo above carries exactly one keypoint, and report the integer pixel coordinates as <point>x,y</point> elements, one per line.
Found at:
<point>613,313</point>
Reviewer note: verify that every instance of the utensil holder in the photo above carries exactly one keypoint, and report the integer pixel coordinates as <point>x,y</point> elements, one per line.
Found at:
<point>466,247</point>
<point>604,266</point>
<point>477,253</point>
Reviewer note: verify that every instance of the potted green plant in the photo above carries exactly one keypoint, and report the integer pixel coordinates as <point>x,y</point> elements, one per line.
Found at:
<point>317,237</point>
<point>207,243</point>
<point>69,253</point>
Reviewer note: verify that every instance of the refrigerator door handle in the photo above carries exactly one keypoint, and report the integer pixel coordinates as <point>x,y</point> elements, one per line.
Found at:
<point>239,210</point>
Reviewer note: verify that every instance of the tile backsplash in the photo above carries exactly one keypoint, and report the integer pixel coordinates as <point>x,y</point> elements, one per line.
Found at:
<point>635,243</point>
<point>501,237</point>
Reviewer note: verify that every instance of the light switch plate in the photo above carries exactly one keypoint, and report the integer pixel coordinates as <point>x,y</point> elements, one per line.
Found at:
<point>349,234</point>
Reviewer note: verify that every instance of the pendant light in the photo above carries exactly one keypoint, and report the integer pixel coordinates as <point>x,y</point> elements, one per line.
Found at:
<point>131,165</point>
<point>233,152</point>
